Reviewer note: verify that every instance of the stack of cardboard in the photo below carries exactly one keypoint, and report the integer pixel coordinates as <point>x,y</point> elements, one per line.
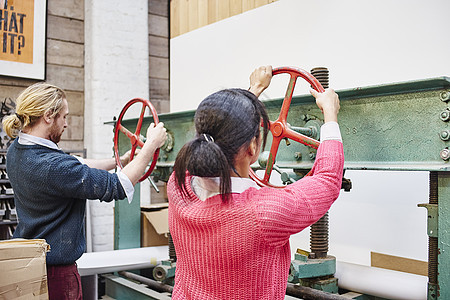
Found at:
<point>23,273</point>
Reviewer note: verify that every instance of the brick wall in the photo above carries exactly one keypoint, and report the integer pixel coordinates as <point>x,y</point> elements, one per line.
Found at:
<point>127,56</point>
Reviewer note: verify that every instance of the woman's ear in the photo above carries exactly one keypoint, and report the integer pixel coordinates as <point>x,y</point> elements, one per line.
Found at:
<point>253,147</point>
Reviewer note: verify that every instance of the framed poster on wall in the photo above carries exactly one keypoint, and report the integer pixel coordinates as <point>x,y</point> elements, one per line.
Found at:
<point>22,38</point>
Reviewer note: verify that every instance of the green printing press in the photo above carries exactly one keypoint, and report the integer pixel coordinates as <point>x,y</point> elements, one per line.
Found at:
<point>400,126</point>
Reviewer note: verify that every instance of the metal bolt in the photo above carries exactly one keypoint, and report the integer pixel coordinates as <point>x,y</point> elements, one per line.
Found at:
<point>445,115</point>
<point>312,155</point>
<point>445,135</point>
<point>445,96</point>
<point>445,154</point>
<point>285,177</point>
<point>298,155</point>
<point>263,158</point>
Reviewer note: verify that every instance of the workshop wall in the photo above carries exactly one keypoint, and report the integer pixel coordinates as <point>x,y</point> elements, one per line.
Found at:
<point>102,54</point>
<point>117,60</point>
<point>361,44</point>
<point>158,38</point>
<point>127,56</point>
<point>188,15</point>
<point>64,68</point>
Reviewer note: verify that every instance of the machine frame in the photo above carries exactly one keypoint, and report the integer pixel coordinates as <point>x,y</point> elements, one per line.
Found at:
<point>400,126</point>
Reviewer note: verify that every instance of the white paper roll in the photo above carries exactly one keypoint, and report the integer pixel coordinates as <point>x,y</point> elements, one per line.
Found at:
<point>381,282</point>
<point>121,260</point>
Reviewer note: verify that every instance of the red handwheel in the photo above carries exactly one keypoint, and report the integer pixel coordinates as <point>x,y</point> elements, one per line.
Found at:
<point>279,128</point>
<point>135,137</point>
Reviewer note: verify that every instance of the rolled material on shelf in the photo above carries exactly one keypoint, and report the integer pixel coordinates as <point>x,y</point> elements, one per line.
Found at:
<point>119,260</point>
<point>307,293</point>
<point>381,282</point>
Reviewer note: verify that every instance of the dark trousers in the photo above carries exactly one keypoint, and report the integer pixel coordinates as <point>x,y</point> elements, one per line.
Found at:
<point>64,282</point>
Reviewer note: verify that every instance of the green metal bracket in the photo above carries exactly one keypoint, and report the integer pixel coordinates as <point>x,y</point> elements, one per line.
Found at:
<point>165,272</point>
<point>443,289</point>
<point>127,222</point>
<point>329,285</point>
<point>302,267</point>
<point>433,292</point>
<point>121,288</point>
<point>314,273</point>
<point>433,218</point>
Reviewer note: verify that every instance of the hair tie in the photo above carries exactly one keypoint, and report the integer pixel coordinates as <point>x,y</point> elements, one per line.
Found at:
<point>208,138</point>
<point>19,117</point>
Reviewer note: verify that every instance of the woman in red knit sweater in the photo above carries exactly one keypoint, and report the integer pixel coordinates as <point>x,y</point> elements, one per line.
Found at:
<point>232,237</point>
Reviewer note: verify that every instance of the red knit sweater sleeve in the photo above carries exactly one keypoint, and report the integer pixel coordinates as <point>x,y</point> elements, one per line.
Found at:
<point>283,212</point>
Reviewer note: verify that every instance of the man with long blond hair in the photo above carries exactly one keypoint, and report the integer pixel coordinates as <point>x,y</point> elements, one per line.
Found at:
<point>51,187</point>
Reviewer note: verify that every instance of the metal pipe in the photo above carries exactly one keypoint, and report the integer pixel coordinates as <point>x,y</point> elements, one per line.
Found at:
<point>319,238</point>
<point>433,242</point>
<point>319,230</point>
<point>322,75</point>
<point>307,293</point>
<point>291,289</point>
<point>172,252</point>
<point>152,284</point>
<point>308,131</point>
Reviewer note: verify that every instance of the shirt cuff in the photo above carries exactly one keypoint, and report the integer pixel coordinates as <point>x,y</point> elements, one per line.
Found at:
<point>80,159</point>
<point>127,185</point>
<point>330,131</point>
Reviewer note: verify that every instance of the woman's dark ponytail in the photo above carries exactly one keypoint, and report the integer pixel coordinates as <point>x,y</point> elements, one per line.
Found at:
<point>204,159</point>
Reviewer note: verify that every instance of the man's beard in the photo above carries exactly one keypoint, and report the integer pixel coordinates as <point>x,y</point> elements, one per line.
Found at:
<point>55,134</point>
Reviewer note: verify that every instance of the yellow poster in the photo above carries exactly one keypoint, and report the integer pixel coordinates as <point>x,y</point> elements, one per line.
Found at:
<point>16,30</point>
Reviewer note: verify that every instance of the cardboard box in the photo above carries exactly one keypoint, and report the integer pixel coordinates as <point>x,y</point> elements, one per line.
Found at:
<point>154,225</point>
<point>398,263</point>
<point>23,272</point>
